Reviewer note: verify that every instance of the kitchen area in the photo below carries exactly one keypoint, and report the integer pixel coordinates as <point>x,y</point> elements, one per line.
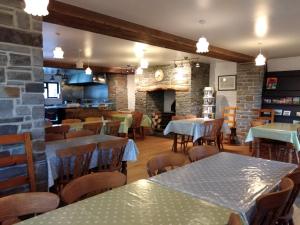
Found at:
<point>71,93</point>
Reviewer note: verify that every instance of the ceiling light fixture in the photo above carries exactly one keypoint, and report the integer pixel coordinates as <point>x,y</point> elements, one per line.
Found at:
<point>58,53</point>
<point>139,71</point>
<point>37,8</point>
<point>88,70</point>
<point>144,64</point>
<point>197,64</point>
<point>202,44</point>
<point>260,60</point>
<point>139,50</point>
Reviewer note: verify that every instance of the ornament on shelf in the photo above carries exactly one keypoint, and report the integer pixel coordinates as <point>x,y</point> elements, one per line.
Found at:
<point>208,103</point>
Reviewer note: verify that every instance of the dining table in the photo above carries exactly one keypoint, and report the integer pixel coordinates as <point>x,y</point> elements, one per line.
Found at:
<point>130,154</point>
<point>229,180</point>
<point>284,132</point>
<point>126,120</point>
<point>191,127</point>
<point>141,202</point>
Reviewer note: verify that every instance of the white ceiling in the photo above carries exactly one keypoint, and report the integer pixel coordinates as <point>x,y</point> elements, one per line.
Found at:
<point>230,23</point>
<point>104,50</point>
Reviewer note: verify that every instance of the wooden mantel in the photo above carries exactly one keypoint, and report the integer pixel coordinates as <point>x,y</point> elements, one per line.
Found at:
<point>83,19</point>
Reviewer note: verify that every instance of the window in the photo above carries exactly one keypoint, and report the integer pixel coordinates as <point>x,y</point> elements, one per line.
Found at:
<point>51,90</point>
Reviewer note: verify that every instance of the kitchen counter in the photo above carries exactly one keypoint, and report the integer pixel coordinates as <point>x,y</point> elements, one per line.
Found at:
<point>76,105</point>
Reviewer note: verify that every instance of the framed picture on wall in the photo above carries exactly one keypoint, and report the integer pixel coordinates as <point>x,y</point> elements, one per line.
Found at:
<point>278,112</point>
<point>286,113</point>
<point>227,83</point>
<point>271,83</point>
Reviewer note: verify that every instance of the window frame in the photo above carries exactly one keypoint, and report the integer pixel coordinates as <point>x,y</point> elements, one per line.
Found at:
<point>46,86</point>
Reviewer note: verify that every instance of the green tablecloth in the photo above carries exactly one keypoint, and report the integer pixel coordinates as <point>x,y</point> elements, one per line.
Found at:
<point>141,202</point>
<point>276,131</point>
<point>126,120</point>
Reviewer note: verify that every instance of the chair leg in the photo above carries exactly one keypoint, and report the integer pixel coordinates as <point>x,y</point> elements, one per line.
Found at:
<point>297,156</point>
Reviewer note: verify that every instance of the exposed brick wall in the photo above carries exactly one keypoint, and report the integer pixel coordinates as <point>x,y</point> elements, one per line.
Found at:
<point>117,91</point>
<point>21,83</point>
<point>249,92</point>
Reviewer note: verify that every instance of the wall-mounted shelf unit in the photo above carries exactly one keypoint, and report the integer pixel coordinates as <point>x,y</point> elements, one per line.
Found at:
<point>281,92</point>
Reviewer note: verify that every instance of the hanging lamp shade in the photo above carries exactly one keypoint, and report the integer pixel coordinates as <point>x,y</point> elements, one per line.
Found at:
<point>139,71</point>
<point>88,71</point>
<point>58,53</point>
<point>36,7</point>
<point>260,60</point>
<point>202,45</point>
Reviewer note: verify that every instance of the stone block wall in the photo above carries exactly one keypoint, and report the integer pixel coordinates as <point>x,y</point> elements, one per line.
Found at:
<point>21,83</point>
<point>117,91</point>
<point>249,94</point>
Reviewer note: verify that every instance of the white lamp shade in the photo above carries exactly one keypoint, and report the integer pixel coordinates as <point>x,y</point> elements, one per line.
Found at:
<point>139,71</point>
<point>88,71</point>
<point>144,63</point>
<point>37,7</point>
<point>58,53</point>
<point>260,60</point>
<point>202,45</point>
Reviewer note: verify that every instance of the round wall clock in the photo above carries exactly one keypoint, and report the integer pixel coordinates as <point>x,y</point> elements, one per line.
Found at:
<point>159,75</point>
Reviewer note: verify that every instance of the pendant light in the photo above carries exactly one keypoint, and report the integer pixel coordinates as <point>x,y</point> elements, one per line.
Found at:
<point>260,60</point>
<point>58,53</point>
<point>139,71</point>
<point>88,70</point>
<point>144,64</point>
<point>202,44</point>
<point>37,7</point>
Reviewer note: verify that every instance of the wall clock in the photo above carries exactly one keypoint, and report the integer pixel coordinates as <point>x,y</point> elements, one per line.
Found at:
<point>159,75</point>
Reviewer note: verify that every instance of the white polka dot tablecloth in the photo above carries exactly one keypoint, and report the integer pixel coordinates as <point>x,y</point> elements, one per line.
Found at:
<point>142,202</point>
<point>228,180</point>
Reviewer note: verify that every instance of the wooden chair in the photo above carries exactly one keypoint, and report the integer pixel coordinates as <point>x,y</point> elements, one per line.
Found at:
<point>235,219</point>
<point>200,152</point>
<point>212,132</point>
<point>182,140</point>
<point>14,206</point>
<point>137,118</point>
<point>13,160</point>
<point>270,206</point>
<point>93,119</point>
<point>261,114</point>
<point>112,128</point>
<point>80,133</point>
<point>160,163</point>
<point>53,137</point>
<point>68,121</point>
<point>190,116</point>
<point>91,184</point>
<point>94,127</point>
<point>111,156</point>
<point>63,129</point>
<point>286,217</point>
<point>74,162</point>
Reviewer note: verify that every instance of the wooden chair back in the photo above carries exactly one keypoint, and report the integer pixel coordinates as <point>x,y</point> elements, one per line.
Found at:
<point>79,133</point>
<point>261,114</point>
<point>112,128</point>
<point>111,155</point>
<point>74,162</point>
<point>137,118</point>
<point>190,116</point>
<point>13,160</point>
<point>235,219</point>
<point>14,206</point>
<point>68,121</point>
<point>160,163</point>
<point>255,123</point>
<point>177,117</point>
<point>63,129</point>
<point>211,129</point>
<point>200,152</point>
<point>270,206</point>
<point>93,119</point>
<point>94,127</point>
<point>53,137</point>
<point>229,115</point>
<point>295,177</point>
<point>92,184</point>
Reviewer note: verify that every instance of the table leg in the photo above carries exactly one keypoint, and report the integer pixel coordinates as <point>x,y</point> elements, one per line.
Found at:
<point>256,147</point>
<point>124,169</point>
<point>175,143</point>
<point>290,155</point>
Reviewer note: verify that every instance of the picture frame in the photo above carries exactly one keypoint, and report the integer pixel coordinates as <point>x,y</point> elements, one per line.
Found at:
<point>227,83</point>
<point>271,83</point>
<point>286,113</point>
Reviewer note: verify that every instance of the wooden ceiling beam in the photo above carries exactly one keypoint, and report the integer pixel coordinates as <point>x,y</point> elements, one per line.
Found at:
<point>95,69</point>
<point>83,19</point>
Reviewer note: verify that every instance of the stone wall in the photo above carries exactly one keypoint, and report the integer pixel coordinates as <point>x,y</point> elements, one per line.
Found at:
<point>117,91</point>
<point>249,93</point>
<point>187,81</point>
<point>21,84</point>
